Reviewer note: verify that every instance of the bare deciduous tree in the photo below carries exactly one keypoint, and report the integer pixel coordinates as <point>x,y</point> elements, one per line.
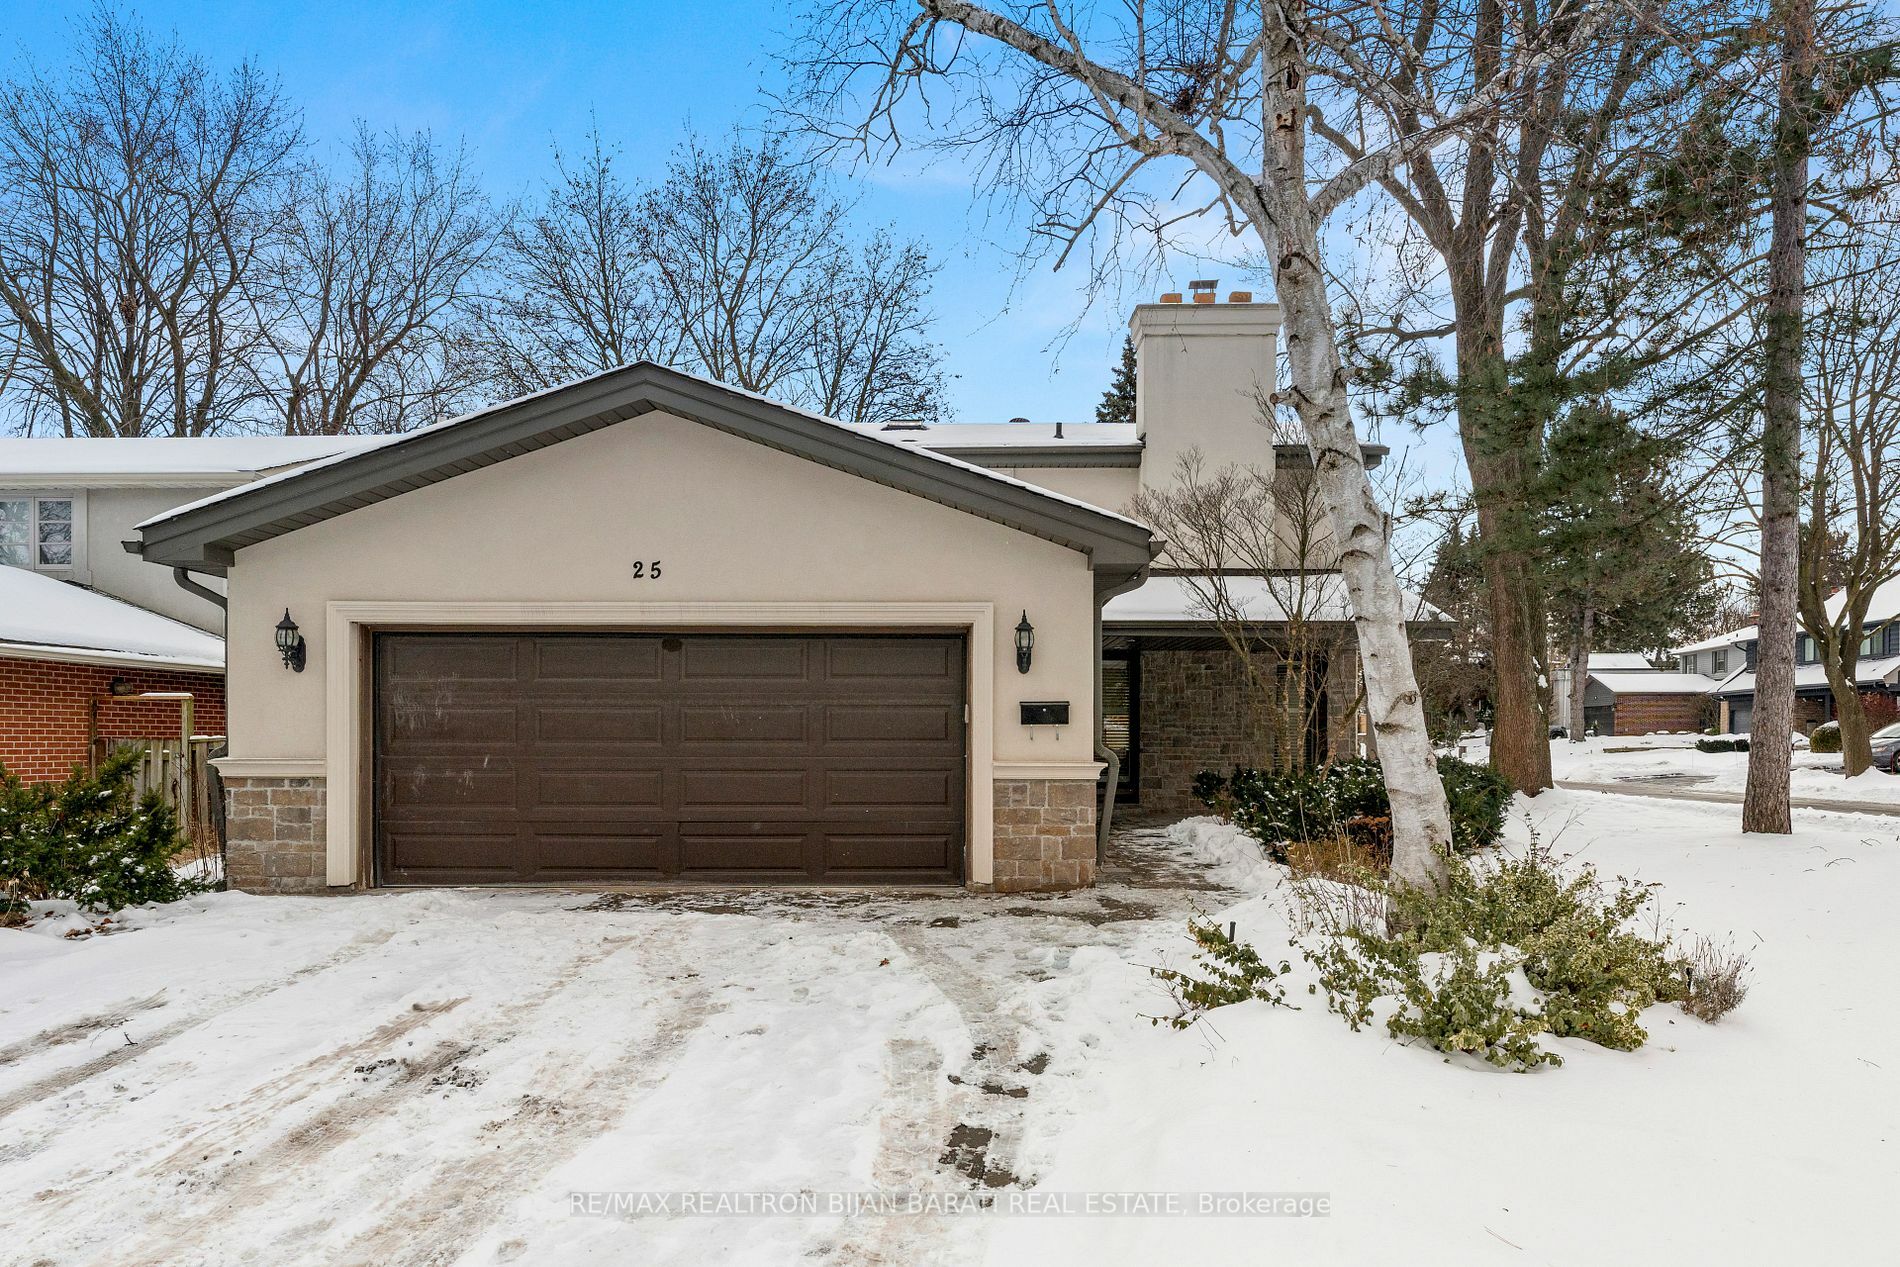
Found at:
<point>1852,400</point>
<point>1073,103</point>
<point>137,193</point>
<point>577,295</point>
<point>362,304</point>
<point>740,265</point>
<point>1251,549</point>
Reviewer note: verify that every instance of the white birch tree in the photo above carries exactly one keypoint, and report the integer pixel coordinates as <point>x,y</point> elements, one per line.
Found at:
<point>1079,107</point>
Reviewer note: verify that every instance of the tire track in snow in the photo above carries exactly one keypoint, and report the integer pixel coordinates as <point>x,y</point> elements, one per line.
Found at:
<point>468,1194</point>
<point>237,1178</point>
<point>77,1031</point>
<point>71,1076</point>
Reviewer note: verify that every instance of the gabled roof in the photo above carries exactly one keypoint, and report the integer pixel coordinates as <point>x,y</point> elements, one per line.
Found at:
<point>1620,662</point>
<point>45,619</point>
<point>87,462</point>
<point>1733,638</point>
<point>1651,682</point>
<point>206,534</point>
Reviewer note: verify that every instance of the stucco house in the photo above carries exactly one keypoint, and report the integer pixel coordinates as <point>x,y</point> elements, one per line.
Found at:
<point>647,627</point>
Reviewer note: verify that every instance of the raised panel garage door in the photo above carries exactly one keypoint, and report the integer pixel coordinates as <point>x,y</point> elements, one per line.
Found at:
<point>597,758</point>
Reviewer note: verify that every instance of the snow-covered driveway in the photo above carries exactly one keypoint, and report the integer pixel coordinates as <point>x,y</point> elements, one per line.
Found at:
<point>432,1077</point>
<point>427,1077</point>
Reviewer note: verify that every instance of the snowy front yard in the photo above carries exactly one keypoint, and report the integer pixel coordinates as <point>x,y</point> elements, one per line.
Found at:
<point>1672,760</point>
<point>433,1077</point>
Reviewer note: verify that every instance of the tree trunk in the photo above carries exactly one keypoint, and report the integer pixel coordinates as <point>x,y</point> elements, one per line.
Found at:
<point>1501,454</point>
<point>1580,670</point>
<point>1856,734</point>
<point>1765,802</point>
<point>1421,821</point>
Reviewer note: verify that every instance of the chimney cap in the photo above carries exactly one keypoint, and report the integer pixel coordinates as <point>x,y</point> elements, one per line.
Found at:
<point>1210,284</point>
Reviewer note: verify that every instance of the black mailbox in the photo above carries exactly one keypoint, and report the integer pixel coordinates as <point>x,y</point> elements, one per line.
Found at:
<point>1046,712</point>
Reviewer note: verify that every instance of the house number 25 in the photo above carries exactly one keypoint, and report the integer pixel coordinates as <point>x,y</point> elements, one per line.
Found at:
<point>645,571</point>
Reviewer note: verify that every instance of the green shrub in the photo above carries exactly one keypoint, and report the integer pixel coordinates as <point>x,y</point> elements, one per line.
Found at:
<point>1724,744</point>
<point>1825,738</point>
<point>1447,958</point>
<point>1279,807</point>
<point>1210,789</point>
<point>1235,974</point>
<point>89,839</point>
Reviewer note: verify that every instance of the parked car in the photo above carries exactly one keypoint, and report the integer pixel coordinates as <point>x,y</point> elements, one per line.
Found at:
<point>1886,743</point>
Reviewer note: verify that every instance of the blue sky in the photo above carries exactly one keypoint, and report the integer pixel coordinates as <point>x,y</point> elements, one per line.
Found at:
<point>515,78</point>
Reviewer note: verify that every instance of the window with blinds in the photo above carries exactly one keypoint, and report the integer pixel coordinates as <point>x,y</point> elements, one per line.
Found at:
<point>1120,723</point>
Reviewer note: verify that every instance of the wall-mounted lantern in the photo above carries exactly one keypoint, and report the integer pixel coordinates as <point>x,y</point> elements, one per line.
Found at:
<point>1025,643</point>
<point>290,643</point>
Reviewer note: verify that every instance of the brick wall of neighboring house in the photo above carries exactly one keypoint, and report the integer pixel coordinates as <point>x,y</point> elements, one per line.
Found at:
<point>43,711</point>
<point>1883,709</point>
<point>1651,714</point>
<point>1809,712</point>
<point>1199,712</point>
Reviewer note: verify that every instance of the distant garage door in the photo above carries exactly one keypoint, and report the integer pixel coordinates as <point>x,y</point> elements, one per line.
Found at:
<point>594,758</point>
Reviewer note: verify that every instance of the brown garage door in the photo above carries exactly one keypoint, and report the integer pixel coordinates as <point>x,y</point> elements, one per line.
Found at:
<point>576,758</point>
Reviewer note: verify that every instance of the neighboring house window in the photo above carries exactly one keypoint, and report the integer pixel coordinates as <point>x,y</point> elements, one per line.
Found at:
<point>1688,664</point>
<point>1803,649</point>
<point>1893,639</point>
<point>42,531</point>
<point>1718,663</point>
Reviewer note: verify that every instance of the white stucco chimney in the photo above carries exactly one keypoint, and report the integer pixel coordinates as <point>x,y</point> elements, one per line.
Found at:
<point>1203,371</point>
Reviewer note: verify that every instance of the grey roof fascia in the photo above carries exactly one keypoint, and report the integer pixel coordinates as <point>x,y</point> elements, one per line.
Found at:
<point>205,537</point>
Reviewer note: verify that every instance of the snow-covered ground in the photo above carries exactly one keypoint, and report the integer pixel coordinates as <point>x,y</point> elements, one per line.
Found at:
<point>1674,759</point>
<point>432,1077</point>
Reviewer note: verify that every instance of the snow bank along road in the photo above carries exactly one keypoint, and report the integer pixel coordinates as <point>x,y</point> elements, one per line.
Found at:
<point>431,1077</point>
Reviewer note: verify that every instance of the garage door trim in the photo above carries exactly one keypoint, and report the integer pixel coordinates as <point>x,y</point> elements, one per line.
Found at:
<point>348,624</point>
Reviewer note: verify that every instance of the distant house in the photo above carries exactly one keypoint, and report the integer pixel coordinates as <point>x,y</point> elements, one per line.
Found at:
<point>85,626</point>
<point>1729,660</point>
<point>1627,695</point>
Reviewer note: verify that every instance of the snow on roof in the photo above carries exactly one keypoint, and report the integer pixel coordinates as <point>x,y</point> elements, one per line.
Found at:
<point>1179,600</point>
<point>1867,672</point>
<point>951,436</point>
<point>41,618</point>
<point>1652,682</point>
<point>1620,662</point>
<point>1884,605</point>
<point>165,459</point>
<point>1733,638</point>
<point>406,437</point>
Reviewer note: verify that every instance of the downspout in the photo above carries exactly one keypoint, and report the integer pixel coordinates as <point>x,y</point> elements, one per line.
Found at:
<point>183,577</point>
<point>1105,819</point>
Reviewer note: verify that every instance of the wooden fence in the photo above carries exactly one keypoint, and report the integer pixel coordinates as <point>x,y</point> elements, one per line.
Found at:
<point>180,771</point>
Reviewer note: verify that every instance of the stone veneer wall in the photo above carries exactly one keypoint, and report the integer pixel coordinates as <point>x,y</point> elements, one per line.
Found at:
<point>1196,715</point>
<point>274,835</point>
<point>1045,835</point>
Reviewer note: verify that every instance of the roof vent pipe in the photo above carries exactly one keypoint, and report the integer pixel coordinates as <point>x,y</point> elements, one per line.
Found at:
<point>1058,431</point>
<point>1019,420</point>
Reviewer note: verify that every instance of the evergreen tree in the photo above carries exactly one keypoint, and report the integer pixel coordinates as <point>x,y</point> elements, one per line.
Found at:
<point>1454,672</point>
<point>1118,402</point>
<point>1624,568</point>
